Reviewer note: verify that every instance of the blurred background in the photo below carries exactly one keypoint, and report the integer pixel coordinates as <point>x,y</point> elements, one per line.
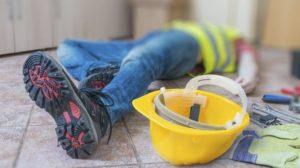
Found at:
<point>27,136</point>
<point>37,24</point>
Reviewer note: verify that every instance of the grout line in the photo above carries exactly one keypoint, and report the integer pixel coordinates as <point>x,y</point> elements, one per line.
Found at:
<point>169,165</point>
<point>27,52</point>
<point>23,138</point>
<point>10,83</point>
<point>139,162</point>
<point>113,165</point>
<point>9,127</point>
<point>41,125</point>
<point>143,164</point>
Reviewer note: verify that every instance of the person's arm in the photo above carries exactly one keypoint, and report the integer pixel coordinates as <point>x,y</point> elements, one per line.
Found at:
<point>247,65</point>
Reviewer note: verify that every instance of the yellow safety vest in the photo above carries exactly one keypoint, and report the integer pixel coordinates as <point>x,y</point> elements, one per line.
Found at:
<point>216,44</point>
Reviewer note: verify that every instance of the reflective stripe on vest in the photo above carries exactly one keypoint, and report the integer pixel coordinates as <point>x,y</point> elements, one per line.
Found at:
<point>232,35</point>
<point>213,44</point>
<point>216,45</point>
<point>228,47</point>
<point>220,45</point>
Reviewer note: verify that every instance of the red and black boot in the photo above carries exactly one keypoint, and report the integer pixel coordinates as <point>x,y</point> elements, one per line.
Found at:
<point>50,87</point>
<point>98,78</point>
<point>91,87</point>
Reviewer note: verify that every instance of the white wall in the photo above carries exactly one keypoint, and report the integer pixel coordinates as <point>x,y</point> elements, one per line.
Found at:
<point>241,14</point>
<point>36,24</point>
<point>92,19</point>
<point>6,27</point>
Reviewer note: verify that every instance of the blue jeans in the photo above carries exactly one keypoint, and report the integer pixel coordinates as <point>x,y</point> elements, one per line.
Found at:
<point>158,55</point>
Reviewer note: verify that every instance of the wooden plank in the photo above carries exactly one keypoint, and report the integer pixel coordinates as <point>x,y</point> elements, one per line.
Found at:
<point>282,24</point>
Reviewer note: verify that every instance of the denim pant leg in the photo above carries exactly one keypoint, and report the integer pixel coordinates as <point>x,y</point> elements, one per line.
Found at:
<point>169,55</point>
<point>80,56</point>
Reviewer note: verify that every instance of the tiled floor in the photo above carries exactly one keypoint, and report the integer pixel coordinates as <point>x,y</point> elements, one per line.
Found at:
<point>27,137</point>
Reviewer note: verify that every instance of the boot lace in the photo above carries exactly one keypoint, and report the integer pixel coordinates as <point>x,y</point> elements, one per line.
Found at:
<point>104,118</point>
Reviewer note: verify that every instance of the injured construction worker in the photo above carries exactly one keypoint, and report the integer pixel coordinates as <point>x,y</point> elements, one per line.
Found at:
<point>113,73</point>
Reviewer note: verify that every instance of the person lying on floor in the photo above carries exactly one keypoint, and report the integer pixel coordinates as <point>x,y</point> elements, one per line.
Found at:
<point>113,73</point>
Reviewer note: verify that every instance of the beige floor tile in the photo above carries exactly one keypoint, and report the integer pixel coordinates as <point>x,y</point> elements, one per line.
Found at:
<point>11,68</point>
<point>135,117</point>
<point>40,148</point>
<point>120,166</point>
<point>40,117</point>
<point>12,74</point>
<point>13,114</point>
<point>221,163</point>
<point>139,132</point>
<point>155,165</point>
<point>14,92</point>
<point>12,60</point>
<point>275,71</point>
<point>15,105</point>
<point>224,163</point>
<point>19,59</point>
<point>10,140</point>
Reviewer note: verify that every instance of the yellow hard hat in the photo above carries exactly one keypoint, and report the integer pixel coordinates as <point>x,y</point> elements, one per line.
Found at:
<point>179,137</point>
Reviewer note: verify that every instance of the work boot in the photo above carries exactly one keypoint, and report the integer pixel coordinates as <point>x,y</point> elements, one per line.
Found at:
<point>98,78</point>
<point>91,87</point>
<point>78,131</point>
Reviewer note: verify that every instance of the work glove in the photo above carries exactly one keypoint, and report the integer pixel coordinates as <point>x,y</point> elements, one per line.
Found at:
<point>275,146</point>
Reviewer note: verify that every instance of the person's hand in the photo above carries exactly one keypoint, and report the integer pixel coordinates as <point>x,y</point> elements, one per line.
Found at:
<point>248,84</point>
<point>247,72</point>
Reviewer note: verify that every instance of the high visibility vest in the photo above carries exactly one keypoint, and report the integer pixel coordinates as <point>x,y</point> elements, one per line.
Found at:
<point>216,44</point>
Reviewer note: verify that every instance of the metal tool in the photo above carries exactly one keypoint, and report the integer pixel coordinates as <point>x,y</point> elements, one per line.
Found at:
<point>275,116</point>
<point>293,102</point>
<point>295,91</point>
<point>275,98</point>
<point>261,117</point>
<point>264,120</point>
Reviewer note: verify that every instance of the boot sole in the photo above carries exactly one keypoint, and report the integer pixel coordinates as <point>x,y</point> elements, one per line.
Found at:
<point>50,87</point>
